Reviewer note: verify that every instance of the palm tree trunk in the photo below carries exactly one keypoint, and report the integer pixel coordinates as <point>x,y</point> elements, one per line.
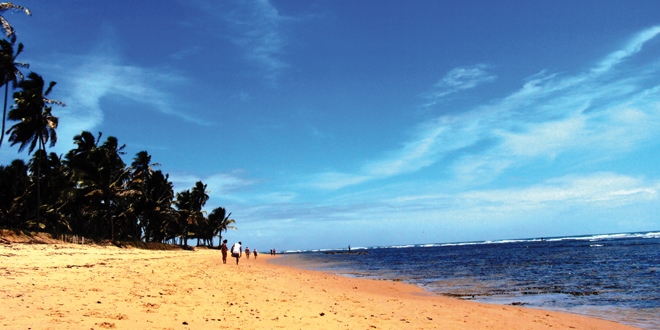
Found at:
<point>109,215</point>
<point>4,114</point>
<point>39,161</point>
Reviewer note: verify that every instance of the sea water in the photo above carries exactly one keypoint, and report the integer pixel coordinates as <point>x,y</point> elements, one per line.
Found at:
<point>614,277</point>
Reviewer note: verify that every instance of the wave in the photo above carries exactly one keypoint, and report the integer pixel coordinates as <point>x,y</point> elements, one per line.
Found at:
<point>591,238</point>
<point>597,237</point>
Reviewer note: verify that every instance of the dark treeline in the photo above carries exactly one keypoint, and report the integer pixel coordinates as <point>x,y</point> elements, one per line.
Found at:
<point>89,191</point>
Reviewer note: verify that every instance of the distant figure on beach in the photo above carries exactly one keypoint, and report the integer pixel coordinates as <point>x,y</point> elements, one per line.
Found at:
<point>349,248</point>
<point>255,253</point>
<point>247,252</point>
<point>224,250</point>
<point>236,251</point>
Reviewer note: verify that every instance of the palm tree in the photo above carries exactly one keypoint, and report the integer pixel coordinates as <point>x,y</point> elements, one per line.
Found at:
<point>219,221</point>
<point>199,196</point>
<point>102,180</point>
<point>82,206</point>
<point>186,217</point>
<point>9,72</point>
<point>113,187</point>
<point>160,217</point>
<point>36,124</point>
<point>33,111</point>
<point>6,27</point>
<point>140,173</point>
<point>55,185</point>
<point>189,205</point>
<point>14,186</point>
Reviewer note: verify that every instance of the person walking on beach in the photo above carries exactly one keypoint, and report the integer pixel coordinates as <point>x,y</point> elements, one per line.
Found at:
<point>236,251</point>
<point>224,250</point>
<point>255,253</point>
<point>247,252</point>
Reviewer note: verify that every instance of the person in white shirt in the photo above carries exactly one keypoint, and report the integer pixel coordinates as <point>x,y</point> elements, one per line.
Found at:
<point>236,251</point>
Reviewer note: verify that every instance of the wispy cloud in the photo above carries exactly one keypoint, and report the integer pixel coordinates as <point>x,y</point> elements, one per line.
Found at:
<point>459,79</point>
<point>603,110</point>
<point>586,191</point>
<point>633,47</point>
<point>100,74</point>
<point>474,214</point>
<point>415,155</point>
<point>257,29</point>
<point>337,180</point>
<point>604,189</point>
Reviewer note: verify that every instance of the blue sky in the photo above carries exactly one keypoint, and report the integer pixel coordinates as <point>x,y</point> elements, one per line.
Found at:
<point>320,124</point>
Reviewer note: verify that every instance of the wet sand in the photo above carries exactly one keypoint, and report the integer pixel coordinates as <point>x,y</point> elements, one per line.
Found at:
<point>69,286</point>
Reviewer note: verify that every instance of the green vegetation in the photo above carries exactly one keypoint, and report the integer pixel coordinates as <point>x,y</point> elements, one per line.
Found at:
<point>90,192</point>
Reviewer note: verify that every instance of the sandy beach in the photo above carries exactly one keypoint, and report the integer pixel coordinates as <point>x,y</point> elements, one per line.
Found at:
<point>70,286</point>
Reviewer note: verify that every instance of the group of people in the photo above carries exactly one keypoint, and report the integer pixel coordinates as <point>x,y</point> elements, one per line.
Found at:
<point>236,251</point>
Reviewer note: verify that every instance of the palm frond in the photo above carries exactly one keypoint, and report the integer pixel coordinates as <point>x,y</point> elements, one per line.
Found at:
<point>4,6</point>
<point>9,31</point>
<point>56,102</point>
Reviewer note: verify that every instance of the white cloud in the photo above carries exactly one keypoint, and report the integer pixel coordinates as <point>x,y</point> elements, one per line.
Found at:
<point>257,30</point>
<point>336,180</point>
<point>101,74</point>
<point>587,113</point>
<point>545,139</point>
<point>415,155</point>
<point>458,79</point>
<point>603,189</point>
<point>633,46</point>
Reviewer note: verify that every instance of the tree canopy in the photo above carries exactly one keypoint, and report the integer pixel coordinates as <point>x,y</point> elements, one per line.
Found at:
<point>90,191</point>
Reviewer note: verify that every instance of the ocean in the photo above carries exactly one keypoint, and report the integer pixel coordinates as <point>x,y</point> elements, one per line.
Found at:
<point>614,276</point>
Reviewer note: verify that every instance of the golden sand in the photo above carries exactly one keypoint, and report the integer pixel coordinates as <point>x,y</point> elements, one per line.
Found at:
<point>68,286</point>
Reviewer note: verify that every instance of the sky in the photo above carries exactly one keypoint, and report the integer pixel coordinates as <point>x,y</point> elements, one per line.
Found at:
<point>326,123</point>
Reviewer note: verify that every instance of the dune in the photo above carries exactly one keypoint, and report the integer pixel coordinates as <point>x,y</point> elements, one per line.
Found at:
<point>71,286</point>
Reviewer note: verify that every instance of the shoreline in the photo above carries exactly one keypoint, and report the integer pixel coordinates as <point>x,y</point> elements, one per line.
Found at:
<point>638,318</point>
<point>62,286</point>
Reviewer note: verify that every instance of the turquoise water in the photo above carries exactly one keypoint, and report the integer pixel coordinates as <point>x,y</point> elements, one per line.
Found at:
<point>615,276</point>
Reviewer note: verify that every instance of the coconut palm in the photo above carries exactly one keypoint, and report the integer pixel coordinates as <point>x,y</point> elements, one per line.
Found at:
<point>59,190</point>
<point>114,190</point>
<point>33,111</point>
<point>9,72</point>
<point>160,218</point>
<point>82,208</point>
<point>55,184</point>
<point>6,27</point>
<point>14,186</point>
<point>219,221</point>
<point>186,217</point>
<point>141,171</point>
<point>36,123</point>
<point>189,205</point>
<point>199,196</point>
<point>101,179</point>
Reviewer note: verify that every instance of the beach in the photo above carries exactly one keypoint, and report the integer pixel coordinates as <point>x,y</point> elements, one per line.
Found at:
<point>73,286</point>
